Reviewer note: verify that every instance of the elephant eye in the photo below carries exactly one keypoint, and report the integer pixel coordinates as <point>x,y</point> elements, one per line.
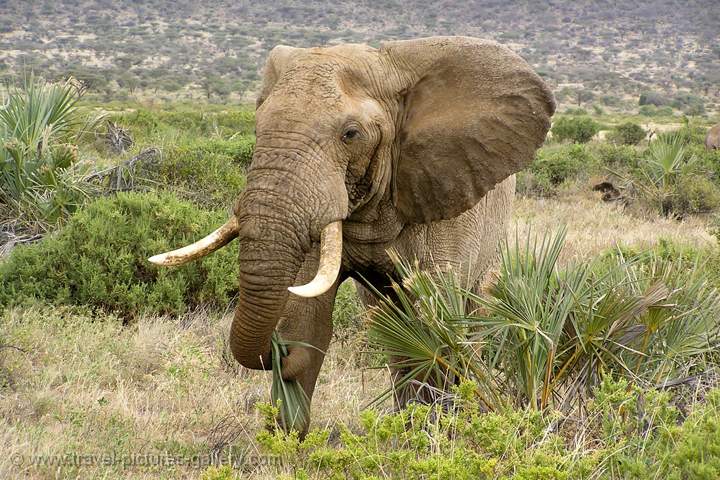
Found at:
<point>349,135</point>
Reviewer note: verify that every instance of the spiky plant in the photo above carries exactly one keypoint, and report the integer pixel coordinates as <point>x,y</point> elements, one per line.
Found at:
<point>545,335</point>
<point>40,126</point>
<point>287,395</point>
<point>668,158</point>
<point>423,329</point>
<point>529,307</point>
<point>563,328</point>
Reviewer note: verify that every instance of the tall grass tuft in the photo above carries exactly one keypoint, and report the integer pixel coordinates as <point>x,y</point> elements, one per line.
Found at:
<point>41,179</point>
<point>545,334</point>
<point>287,395</point>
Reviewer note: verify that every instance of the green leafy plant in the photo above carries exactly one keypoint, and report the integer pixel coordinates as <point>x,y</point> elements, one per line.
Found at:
<point>553,166</point>
<point>41,179</point>
<point>545,335</point>
<point>99,258</point>
<point>211,173</point>
<point>627,133</point>
<point>616,156</point>
<point>628,432</point>
<point>654,111</point>
<point>575,129</point>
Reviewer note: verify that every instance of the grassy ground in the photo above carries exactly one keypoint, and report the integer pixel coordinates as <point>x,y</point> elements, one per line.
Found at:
<point>167,391</point>
<point>89,395</point>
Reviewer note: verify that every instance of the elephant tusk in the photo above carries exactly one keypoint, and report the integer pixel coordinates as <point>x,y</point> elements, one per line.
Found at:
<point>329,267</point>
<point>219,238</point>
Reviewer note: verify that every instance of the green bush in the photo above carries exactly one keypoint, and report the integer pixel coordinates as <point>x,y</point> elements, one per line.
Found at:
<point>653,111</point>
<point>616,156</point>
<point>689,103</point>
<point>695,194</point>
<point>100,259</point>
<point>153,123</point>
<point>575,129</point>
<point>627,133</point>
<point>238,149</point>
<point>528,184</point>
<point>625,433</point>
<point>210,173</point>
<point>561,163</point>
<point>653,98</point>
<point>554,165</point>
<point>708,160</point>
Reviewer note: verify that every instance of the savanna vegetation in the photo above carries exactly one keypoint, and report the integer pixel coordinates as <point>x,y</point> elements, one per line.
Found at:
<point>590,353</point>
<point>659,55</point>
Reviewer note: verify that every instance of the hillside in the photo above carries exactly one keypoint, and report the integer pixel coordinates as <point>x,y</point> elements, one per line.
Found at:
<point>589,51</point>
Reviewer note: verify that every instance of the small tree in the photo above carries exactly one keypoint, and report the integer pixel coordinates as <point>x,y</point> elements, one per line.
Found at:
<point>575,129</point>
<point>627,133</point>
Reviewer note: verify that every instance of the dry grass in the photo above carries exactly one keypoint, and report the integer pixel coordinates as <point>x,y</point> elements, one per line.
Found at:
<point>164,387</point>
<point>168,387</point>
<point>594,226</point>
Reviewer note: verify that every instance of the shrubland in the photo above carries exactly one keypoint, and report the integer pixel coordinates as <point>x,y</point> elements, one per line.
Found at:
<point>589,353</point>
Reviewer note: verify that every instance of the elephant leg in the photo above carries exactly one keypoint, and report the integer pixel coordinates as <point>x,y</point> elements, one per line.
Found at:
<point>307,320</point>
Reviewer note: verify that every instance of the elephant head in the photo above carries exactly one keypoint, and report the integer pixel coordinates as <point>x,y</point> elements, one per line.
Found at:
<point>359,142</point>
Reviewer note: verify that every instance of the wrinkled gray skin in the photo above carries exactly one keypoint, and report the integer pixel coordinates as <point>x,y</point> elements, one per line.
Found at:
<point>412,146</point>
<point>712,140</point>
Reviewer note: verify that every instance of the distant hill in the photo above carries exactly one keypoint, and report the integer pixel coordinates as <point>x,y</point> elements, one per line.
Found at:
<point>605,53</point>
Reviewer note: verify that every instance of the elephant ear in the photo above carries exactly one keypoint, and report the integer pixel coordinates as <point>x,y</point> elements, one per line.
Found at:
<point>279,59</point>
<point>472,114</point>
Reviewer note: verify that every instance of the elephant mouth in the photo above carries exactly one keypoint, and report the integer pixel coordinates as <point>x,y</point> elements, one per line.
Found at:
<point>328,267</point>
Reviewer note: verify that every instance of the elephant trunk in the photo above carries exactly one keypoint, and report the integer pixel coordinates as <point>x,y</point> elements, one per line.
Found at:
<point>276,235</point>
<point>269,261</point>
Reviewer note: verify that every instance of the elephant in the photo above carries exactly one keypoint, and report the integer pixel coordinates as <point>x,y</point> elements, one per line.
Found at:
<point>410,147</point>
<point>712,140</point>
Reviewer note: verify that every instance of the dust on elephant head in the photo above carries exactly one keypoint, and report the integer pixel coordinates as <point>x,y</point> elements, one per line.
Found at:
<point>355,145</point>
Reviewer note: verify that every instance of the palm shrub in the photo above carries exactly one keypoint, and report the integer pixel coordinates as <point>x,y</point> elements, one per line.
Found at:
<point>41,179</point>
<point>424,326</point>
<point>546,335</point>
<point>669,179</point>
<point>689,134</point>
